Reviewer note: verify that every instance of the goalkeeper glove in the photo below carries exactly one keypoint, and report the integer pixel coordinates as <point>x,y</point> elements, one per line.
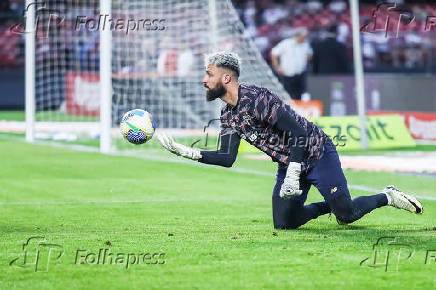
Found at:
<point>291,184</point>
<point>177,148</point>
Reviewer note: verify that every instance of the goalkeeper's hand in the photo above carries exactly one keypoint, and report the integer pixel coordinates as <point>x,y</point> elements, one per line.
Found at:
<point>291,184</point>
<point>177,148</point>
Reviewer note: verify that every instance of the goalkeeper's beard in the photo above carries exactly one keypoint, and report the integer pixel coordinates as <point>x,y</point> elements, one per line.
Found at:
<point>217,92</point>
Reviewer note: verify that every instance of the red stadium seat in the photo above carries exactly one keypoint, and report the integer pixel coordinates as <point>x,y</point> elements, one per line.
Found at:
<point>9,48</point>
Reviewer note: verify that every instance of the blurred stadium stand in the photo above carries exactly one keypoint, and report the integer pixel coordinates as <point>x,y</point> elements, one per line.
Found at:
<point>268,22</point>
<point>11,44</point>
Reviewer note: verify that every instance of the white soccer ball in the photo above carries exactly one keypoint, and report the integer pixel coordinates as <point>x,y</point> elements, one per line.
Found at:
<point>137,126</point>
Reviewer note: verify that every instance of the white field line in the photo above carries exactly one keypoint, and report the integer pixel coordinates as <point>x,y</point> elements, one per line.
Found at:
<point>81,202</point>
<point>163,159</point>
<point>88,129</point>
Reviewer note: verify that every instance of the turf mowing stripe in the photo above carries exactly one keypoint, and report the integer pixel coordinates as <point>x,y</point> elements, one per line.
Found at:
<point>351,186</point>
<point>185,161</point>
<point>123,201</point>
<point>20,203</point>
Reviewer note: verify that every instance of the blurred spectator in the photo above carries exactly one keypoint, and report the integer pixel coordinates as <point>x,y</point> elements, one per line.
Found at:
<point>369,53</point>
<point>272,15</point>
<point>175,62</point>
<point>313,6</point>
<point>330,55</point>
<point>414,52</point>
<point>338,6</point>
<point>343,32</point>
<point>185,61</point>
<point>289,59</point>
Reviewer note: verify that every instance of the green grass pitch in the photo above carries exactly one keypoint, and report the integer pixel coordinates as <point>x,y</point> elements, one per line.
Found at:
<point>212,226</point>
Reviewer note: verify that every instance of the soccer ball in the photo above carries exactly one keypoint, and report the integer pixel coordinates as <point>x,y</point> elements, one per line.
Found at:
<point>137,126</point>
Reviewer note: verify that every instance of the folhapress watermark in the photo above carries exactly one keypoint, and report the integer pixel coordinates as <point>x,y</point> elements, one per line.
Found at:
<point>47,18</point>
<point>107,257</point>
<point>102,22</point>
<point>38,255</point>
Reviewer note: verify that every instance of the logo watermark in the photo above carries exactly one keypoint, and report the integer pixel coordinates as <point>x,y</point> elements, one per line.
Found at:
<point>50,17</point>
<point>38,254</point>
<point>388,253</point>
<point>390,18</point>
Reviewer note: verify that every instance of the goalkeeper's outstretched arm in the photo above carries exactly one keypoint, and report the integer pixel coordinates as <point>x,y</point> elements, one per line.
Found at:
<point>225,156</point>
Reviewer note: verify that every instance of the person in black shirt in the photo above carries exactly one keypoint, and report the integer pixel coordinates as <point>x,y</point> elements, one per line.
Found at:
<point>330,55</point>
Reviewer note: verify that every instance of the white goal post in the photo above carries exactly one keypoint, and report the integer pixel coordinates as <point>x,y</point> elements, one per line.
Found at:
<point>105,81</point>
<point>29,81</point>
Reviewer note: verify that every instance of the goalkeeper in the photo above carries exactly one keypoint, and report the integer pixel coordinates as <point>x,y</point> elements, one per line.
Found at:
<point>305,154</point>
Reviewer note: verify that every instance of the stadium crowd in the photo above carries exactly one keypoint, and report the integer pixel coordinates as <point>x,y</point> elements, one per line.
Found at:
<point>11,44</point>
<point>269,22</point>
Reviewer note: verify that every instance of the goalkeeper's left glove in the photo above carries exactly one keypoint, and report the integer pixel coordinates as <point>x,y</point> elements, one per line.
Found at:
<point>291,184</point>
<point>177,148</point>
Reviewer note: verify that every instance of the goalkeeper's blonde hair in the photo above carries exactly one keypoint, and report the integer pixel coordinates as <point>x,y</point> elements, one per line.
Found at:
<point>229,60</point>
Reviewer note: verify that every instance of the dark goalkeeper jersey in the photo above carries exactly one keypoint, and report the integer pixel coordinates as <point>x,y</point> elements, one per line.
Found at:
<point>264,121</point>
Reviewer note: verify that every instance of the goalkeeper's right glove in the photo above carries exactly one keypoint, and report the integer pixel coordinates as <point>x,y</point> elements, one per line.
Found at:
<point>177,148</point>
<point>291,183</point>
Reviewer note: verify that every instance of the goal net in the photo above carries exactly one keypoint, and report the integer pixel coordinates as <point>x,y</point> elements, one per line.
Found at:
<point>157,52</point>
